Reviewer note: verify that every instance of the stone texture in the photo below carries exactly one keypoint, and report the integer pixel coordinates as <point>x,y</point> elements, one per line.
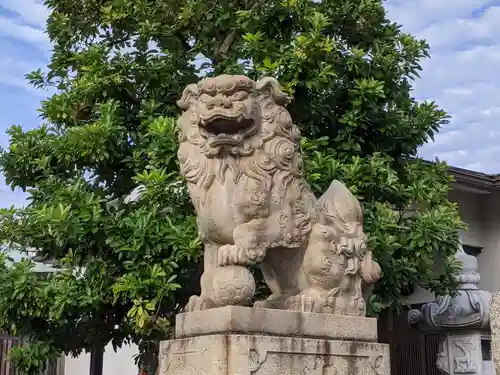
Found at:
<point>468,307</point>
<point>246,320</point>
<point>464,318</point>
<point>239,154</point>
<point>495,330</point>
<point>271,355</point>
<point>461,354</point>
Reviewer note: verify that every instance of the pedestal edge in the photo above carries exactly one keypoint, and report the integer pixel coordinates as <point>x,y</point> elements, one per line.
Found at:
<point>249,320</point>
<point>237,354</point>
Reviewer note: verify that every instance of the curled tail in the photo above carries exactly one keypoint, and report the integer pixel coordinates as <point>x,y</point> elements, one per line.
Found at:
<point>340,208</point>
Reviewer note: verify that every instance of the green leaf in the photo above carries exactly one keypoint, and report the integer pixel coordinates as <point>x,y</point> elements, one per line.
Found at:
<point>117,69</point>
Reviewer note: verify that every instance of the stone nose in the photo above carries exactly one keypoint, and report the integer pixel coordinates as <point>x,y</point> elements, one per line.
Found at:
<point>219,102</point>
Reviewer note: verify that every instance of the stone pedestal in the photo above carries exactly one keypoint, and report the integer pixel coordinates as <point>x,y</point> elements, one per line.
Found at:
<point>249,341</point>
<point>462,353</point>
<point>464,318</point>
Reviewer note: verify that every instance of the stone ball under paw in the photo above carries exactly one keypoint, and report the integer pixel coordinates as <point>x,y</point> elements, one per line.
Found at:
<point>233,285</point>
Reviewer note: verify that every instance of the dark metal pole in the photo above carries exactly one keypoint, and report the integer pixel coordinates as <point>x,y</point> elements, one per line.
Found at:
<point>96,361</point>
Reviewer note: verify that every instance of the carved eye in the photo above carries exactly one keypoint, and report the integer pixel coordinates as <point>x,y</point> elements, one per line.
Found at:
<point>205,97</point>
<point>240,95</point>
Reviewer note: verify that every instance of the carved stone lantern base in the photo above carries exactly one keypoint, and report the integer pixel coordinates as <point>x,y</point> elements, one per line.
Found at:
<point>250,341</point>
<point>461,353</point>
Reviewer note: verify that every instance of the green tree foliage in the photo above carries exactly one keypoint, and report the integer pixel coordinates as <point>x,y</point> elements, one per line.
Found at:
<point>117,68</point>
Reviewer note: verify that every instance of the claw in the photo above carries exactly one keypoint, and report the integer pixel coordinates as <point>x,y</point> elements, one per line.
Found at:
<point>307,304</point>
<point>231,255</point>
<point>234,255</point>
<point>199,303</point>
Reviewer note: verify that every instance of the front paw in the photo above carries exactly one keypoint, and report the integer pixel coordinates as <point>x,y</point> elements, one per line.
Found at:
<point>308,304</point>
<point>235,255</point>
<point>230,255</point>
<point>199,303</point>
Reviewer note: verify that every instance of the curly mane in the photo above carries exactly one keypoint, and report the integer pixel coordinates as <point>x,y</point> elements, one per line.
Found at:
<point>274,148</point>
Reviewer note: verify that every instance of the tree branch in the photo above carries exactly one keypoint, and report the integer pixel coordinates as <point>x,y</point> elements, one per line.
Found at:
<point>227,43</point>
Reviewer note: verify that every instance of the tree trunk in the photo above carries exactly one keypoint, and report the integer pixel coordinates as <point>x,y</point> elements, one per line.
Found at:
<point>96,361</point>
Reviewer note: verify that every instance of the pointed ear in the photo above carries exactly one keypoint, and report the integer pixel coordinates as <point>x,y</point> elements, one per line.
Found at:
<point>189,94</point>
<point>270,87</point>
<point>340,203</point>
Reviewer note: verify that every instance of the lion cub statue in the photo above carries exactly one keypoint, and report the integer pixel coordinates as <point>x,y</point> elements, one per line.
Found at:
<point>239,152</point>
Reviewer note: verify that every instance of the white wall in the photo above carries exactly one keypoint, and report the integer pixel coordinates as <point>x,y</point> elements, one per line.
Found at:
<point>481,212</point>
<point>119,363</point>
<point>489,259</point>
<point>420,295</point>
<point>471,208</point>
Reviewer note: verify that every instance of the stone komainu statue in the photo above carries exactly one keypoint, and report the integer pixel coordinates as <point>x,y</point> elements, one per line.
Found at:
<point>239,152</point>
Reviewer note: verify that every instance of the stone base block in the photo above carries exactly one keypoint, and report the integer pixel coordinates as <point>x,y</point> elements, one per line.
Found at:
<point>238,354</point>
<point>248,320</point>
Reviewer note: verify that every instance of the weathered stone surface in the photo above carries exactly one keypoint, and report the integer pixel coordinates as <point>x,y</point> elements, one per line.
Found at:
<point>239,153</point>
<point>464,318</point>
<point>271,355</point>
<point>468,307</point>
<point>461,354</point>
<point>236,319</point>
<point>495,330</point>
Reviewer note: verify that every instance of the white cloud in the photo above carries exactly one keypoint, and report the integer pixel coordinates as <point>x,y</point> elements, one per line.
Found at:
<point>32,12</point>
<point>25,47</point>
<point>13,70</point>
<point>462,75</point>
<point>25,33</point>
<point>454,33</point>
<point>415,15</point>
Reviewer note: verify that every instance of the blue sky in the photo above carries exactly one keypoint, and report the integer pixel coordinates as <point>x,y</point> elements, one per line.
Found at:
<point>462,76</point>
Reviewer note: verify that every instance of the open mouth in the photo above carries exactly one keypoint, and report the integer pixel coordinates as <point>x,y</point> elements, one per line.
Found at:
<point>228,132</point>
<point>226,127</point>
<point>221,125</point>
